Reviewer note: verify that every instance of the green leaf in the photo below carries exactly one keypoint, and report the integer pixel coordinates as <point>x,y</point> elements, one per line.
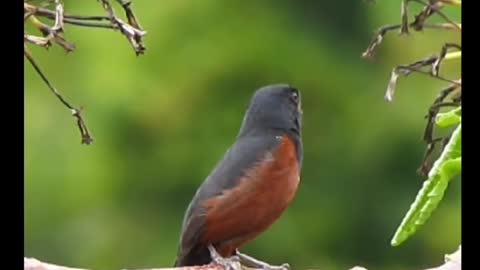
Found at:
<point>448,165</point>
<point>449,118</point>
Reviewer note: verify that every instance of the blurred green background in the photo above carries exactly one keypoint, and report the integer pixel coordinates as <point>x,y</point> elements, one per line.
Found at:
<point>161,122</point>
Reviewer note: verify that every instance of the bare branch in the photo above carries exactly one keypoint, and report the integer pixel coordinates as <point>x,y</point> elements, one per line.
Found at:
<point>88,24</point>
<point>133,34</point>
<point>36,40</point>
<point>426,163</point>
<point>58,27</point>
<point>404,24</point>
<point>132,19</point>
<point>382,31</point>
<point>406,70</point>
<point>443,52</point>
<point>436,9</point>
<point>429,128</point>
<point>132,30</point>
<point>378,39</point>
<point>85,134</point>
<point>421,17</point>
<point>50,14</point>
<point>54,33</point>
<point>418,24</point>
<point>452,2</point>
<point>444,26</point>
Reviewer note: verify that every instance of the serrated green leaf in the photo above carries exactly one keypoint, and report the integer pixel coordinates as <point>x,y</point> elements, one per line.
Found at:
<point>448,165</point>
<point>449,118</point>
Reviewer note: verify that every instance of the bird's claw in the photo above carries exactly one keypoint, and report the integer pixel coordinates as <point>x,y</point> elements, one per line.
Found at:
<point>255,263</point>
<point>284,266</point>
<point>230,263</point>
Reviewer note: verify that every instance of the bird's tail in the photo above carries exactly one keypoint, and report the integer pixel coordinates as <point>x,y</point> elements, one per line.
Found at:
<point>196,256</point>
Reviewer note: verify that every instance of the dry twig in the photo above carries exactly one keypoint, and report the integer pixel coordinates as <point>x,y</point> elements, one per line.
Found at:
<point>85,134</point>
<point>433,63</point>
<point>418,24</point>
<point>132,30</point>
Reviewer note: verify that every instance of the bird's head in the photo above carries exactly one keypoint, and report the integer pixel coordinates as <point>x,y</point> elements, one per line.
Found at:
<point>274,108</point>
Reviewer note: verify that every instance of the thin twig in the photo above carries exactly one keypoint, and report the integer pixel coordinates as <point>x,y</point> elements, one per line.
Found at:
<point>443,26</point>
<point>445,17</point>
<point>433,6</point>
<point>443,52</point>
<point>132,19</point>
<point>410,69</point>
<point>36,40</point>
<point>76,19</point>
<point>427,160</point>
<point>404,14</point>
<point>50,14</point>
<point>27,13</point>
<point>429,128</point>
<point>89,24</point>
<point>420,18</point>
<point>58,27</point>
<point>418,24</point>
<point>445,104</point>
<point>133,34</point>
<point>452,2</point>
<point>132,31</point>
<point>55,32</point>
<point>406,70</point>
<point>71,19</point>
<point>382,31</point>
<point>426,163</point>
<point>85,134</point>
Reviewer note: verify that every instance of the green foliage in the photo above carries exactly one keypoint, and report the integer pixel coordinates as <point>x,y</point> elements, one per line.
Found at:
<point>446,167</point>
<point>162,120</point>
<point>448,164</point>
<point>449,118</point>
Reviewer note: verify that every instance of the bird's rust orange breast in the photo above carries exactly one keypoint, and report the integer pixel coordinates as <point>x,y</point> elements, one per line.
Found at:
<point>238,215</point>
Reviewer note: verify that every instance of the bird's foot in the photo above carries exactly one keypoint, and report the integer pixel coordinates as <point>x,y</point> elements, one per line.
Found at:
<point>231,263</point>
<point>255,263</point>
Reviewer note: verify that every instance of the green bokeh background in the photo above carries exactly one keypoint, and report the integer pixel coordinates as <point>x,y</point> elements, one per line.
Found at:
<point>161,121</point>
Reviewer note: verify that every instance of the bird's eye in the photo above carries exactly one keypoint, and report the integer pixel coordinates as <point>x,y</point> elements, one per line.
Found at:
<point>295,96</point>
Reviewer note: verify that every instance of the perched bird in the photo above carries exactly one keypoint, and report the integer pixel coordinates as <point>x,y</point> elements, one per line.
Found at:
<point>251,186</point>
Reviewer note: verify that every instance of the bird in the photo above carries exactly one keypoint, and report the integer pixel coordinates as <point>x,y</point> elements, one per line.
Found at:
<point>250,187</point>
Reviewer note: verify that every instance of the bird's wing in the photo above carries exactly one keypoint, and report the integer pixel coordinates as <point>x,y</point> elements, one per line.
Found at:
<point>244,154</point>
